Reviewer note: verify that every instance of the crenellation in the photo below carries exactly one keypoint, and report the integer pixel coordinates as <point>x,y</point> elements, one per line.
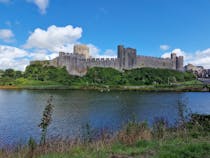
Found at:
<point>79,61</point>
<point>151,57</point>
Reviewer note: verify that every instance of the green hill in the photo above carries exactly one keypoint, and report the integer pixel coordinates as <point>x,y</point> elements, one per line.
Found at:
<point>49,75</point>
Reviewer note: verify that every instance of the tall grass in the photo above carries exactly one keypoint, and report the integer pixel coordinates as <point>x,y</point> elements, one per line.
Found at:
<point>190,137</point>
<point>46,120</point>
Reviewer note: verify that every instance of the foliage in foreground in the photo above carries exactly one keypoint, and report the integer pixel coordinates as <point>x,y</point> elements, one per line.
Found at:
<point>134,140</point>
<point>46,120</point>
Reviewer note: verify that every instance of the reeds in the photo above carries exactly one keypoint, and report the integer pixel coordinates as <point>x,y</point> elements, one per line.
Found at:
<point>132,133</point>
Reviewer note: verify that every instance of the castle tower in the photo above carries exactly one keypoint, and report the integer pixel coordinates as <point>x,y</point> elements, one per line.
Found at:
<point>130,58</point>
<point>61,53</point>
<point>180,63</point>
<point>121,55</point>
<point>174,62</point>
<point>82,49</point>
<point>127,57</point>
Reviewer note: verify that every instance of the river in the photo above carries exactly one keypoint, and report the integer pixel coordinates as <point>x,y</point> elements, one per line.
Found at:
<point>21,110</point>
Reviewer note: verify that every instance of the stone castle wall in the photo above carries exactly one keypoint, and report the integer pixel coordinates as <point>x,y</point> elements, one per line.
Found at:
<point>103,62</point>
<point>152,62</point>
<point>78,63</point>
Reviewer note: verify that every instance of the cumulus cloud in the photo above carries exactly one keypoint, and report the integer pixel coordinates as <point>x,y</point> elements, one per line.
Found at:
<point>12,57</point>
<point>45,45</point>
<point>54,38</point>
<point>18,59</point>
<point>201,57</point>
<point>109,53</point>
<point>41,4</point>
<point>178,52</point>
<point>41,54</point>
<point>95,52</point>
<point>198,58</point>
<point>6,35</point>
<point>164,47</point>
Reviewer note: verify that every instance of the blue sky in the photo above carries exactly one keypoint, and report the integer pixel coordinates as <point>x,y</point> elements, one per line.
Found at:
<point>38,29</point>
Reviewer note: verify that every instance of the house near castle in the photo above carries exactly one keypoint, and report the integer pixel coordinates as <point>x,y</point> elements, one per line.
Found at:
<point>78,62</point>
<point>198,71</point>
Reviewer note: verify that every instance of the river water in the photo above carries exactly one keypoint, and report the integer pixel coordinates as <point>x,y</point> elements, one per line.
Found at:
<point>21,110</point>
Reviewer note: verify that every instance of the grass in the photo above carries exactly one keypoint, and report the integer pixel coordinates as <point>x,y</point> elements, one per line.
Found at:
<point>154,149</point>
<point>189,138</point>
<point>184,150</point>
<point>134,140</point>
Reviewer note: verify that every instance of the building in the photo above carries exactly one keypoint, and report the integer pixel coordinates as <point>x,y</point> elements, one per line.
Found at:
<point>78,62</point>
<point>199,71</point>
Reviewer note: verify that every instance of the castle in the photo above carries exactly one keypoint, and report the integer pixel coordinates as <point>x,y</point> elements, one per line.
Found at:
<point>78,62</point>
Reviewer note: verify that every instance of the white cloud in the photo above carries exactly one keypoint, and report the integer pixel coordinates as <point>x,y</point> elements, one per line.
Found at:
<point>54,38</point>
<point>164,47</point>
<point>198,58</point>
<point>95,52</point>
<point>18,59</point>
<point>178,52</point>
<point>6,35</point>
<point>41,4</point>
<point>41,54</point>
<point>45,45</point>
<point>12,57</point>
<point>109,53</point>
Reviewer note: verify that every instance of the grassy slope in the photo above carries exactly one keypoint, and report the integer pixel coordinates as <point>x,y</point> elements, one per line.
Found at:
<point>40,77</point>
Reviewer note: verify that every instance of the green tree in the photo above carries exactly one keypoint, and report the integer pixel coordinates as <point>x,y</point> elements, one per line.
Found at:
<point>9,73</point>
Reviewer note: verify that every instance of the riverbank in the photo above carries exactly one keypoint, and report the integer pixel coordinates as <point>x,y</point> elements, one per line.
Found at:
<point>134,140</point>
<point>107,88</point>
<point>10,87</point>
<point>102,79</point>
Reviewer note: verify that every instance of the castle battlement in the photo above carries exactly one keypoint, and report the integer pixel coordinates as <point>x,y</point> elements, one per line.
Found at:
<point>79,61</point>
<point>151,57</point>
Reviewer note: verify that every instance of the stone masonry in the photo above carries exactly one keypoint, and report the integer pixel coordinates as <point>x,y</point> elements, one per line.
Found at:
<point>78,62</point>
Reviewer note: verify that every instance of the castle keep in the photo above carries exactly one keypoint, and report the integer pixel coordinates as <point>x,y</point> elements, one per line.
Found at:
<point>78,62</point>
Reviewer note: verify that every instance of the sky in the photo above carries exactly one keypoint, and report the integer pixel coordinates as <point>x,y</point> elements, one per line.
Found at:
<point>39,29</point>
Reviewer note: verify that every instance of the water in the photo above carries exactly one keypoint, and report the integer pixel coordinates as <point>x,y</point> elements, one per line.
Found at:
<point>21,110</point>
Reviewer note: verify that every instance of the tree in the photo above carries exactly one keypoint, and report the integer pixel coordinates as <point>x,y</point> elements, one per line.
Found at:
<point>9,73</point>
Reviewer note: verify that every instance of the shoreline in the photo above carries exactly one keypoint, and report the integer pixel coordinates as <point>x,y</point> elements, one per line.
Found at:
<point>190,137</point>
<point>107,88</point>
<point>10,87</point>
